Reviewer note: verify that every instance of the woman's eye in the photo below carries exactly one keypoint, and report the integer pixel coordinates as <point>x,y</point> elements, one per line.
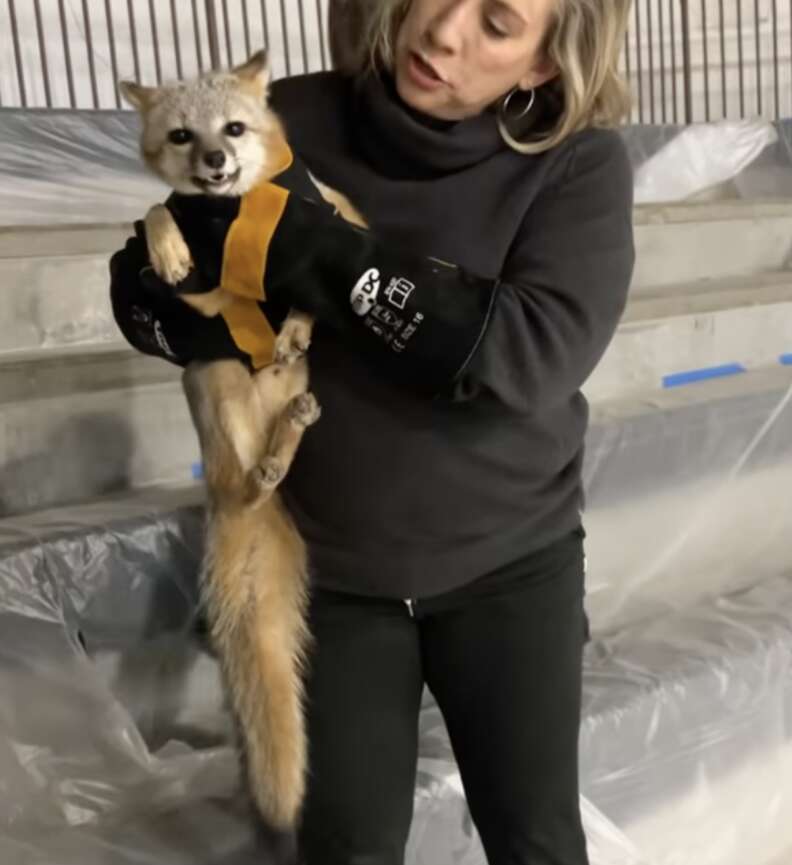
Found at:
<point>495,28</point>
<point>180,136</point>
<point>235,129</point>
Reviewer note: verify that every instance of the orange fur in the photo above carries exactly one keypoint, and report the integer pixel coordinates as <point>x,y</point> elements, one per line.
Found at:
<point>249,427</point>
<point>254,577</point>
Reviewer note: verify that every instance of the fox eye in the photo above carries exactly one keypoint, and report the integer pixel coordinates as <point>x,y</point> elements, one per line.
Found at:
<point>180,136</point>
<point>235,129</point>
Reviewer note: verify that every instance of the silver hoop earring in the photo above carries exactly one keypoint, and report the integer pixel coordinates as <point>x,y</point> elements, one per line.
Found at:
<point>507,101</point>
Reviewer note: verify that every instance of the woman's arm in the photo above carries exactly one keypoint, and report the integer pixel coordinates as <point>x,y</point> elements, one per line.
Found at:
<point>529,339</point>
<point>565,283</point>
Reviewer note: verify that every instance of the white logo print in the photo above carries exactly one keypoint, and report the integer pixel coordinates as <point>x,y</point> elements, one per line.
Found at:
<point>398,291</point>
<point>364,294</point>
<point>161,341</point>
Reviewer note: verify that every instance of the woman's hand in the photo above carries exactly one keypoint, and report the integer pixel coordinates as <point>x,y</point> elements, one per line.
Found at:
<point>154,320</point>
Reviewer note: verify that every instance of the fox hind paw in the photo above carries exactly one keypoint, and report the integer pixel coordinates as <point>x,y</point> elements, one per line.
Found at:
<point>305,410</point>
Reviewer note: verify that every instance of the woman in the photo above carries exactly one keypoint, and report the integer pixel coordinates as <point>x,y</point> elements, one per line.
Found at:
<point>441,492</point>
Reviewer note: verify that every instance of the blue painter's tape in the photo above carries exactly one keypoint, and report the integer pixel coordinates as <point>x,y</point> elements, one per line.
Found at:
<point>682,378</point>
<point>197,471</point>
<point>786,359</point>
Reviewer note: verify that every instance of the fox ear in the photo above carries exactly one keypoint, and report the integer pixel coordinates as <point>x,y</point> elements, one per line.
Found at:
<point>255,71</point>
<point>137,95</point>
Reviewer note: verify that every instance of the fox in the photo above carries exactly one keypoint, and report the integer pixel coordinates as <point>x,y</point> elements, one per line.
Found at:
<point>218,135</point>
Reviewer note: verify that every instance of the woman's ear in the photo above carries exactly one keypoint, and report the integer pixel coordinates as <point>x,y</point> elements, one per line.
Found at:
<point>540,73</point>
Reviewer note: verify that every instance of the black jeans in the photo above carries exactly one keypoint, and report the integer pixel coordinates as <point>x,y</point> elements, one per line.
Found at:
<point>503,659</point>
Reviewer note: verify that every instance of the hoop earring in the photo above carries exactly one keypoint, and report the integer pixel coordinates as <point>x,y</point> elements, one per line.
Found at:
<point>507,101</point>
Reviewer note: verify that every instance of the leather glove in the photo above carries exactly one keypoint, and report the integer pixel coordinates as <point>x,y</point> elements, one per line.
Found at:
<point>418,318</point>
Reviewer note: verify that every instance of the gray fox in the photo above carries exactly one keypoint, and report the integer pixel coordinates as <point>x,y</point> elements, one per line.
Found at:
<point>218,136</point>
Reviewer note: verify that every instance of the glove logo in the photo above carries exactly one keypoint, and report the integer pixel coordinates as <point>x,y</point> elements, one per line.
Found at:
<point>162,342</point>
<point>364,294</point>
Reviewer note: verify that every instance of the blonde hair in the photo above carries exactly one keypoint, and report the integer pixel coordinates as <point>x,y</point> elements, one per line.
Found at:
<point>583,42</point>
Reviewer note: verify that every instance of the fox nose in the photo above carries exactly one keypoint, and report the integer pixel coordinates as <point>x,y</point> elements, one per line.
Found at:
<point>215,159</point>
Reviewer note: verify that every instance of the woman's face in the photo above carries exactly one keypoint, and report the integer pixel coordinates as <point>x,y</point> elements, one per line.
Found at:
<point>456,57</point>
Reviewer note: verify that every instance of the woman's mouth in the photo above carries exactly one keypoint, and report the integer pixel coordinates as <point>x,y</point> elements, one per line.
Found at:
<point>422,73</point>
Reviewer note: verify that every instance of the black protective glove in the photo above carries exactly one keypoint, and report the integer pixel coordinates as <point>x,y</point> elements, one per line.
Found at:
<point>418,318</point>
<point>155,321</point>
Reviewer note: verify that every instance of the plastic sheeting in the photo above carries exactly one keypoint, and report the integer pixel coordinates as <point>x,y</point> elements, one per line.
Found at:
<point>114,741</point>
<point>701,156</point>
<point>115,744</point>
<point>77,166</point>
<point>57,168</point>
<point>723,159</point>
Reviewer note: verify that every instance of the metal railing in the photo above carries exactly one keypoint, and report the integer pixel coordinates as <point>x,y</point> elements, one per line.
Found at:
<point>71,53</point>
<point>702,60</point>
<point>686,60</point>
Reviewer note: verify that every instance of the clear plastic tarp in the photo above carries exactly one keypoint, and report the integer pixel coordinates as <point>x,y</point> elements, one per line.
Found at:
<point>115,745</point>
<point>83,167</point>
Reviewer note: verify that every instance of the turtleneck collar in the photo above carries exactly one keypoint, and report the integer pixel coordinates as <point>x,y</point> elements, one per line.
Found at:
<point>402,143</point>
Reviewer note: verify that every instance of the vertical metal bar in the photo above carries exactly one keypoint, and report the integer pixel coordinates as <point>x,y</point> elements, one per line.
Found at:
<point>661,24</point>
<point>113,55</point>
<point>640,61</point>
<point>265,23</point>
<point>687,71</point>
<point>671,16</point>
<point>650,37</point>
<point>214,37</point>
<point>303,38</point>
<point>285,29</point>
<point>67,54</point>
<point>722,22</point>
<point>705,51</point>
<point>90,52</point>
<point>740,59</point>
<point>197,36</point>
<point>321,22</point>
<point>627,60</point>
<point>246,22</point>
<point>17,54</point>
<point>776,82</point>
<point>227,25</point>
<point>155,40</point>
<point>42,43</point>
<point>176,39</point>
<point>133,36</point>
<point>758,42</point>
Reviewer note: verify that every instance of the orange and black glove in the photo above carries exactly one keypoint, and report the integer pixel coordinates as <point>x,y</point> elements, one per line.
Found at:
<point>420,320</point>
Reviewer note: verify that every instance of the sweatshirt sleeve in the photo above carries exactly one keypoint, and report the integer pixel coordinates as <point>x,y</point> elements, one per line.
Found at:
<point>564,286</point>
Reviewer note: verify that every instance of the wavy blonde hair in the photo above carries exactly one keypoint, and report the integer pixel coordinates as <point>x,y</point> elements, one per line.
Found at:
<point>583,42</point>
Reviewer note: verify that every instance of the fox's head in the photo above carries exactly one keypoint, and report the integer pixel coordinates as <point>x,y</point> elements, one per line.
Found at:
<point>215,135</point>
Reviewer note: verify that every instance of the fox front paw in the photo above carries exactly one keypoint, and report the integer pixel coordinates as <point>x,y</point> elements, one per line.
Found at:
<point>171,259</point>
<point>304,410</point>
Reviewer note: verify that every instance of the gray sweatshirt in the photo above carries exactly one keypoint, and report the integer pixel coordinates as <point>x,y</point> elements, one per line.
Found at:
<point>402,496</point>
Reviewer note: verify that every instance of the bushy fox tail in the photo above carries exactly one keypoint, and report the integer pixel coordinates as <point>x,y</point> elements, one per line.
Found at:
<point>255,594</point>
